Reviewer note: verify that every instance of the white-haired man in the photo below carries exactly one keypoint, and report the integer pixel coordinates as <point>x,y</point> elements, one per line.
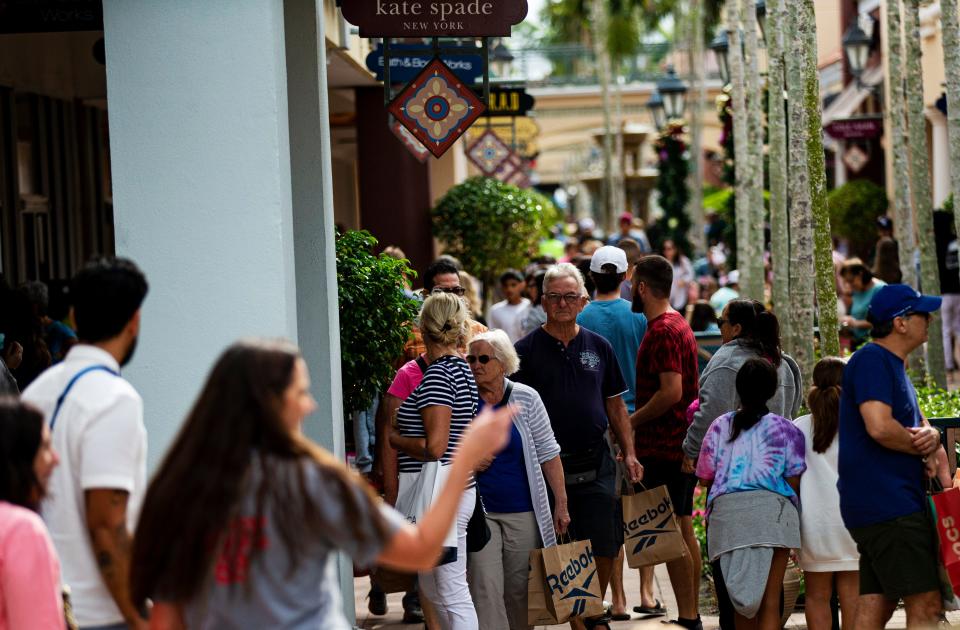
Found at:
<point>577,375</point>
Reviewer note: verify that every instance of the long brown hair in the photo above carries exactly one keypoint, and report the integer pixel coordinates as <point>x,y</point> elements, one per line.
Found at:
<point>823,399</point>
<point>206,473</point>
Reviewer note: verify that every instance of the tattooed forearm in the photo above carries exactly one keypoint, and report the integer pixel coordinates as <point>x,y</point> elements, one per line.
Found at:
<point>111,542</point>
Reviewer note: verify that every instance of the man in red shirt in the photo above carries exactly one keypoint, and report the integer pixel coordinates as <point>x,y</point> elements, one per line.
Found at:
<point>667,382</point>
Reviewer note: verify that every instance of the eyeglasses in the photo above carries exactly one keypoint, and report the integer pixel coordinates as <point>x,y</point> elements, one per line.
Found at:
<point>556,298</point>
<point>455,290</point>
<point>483,358</point>
<point>925,316</point>
<point>721,321</point>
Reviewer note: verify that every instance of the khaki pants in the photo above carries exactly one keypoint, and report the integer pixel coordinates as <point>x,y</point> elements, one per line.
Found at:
<point>498,573</point>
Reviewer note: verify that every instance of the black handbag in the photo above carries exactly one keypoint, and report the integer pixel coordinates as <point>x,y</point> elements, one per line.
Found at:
<point>583,466</point>
<point>478,531</point>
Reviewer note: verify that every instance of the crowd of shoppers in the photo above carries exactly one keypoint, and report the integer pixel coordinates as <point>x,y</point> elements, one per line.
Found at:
<point>538,424</point>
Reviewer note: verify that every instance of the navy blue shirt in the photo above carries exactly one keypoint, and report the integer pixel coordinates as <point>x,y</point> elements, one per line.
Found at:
<point>877,484</point>
<point>504,486</point>
<point>574,382</point>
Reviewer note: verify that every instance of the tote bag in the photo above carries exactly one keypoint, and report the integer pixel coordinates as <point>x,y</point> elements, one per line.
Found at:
<point>417,493</point>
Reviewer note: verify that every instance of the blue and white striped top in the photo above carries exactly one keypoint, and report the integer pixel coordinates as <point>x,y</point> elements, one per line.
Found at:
<point>448,382</point>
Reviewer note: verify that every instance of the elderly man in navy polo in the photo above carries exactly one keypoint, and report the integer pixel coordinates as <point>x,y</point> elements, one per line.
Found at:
<point>577,375</point>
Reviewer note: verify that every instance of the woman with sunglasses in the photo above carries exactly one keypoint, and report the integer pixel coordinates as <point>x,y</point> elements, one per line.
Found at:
<point>428,427</point>
<point>513,488</point>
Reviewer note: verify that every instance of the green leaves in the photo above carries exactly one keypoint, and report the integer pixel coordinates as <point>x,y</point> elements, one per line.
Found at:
<point>375,316</point>
<point>490,226</point>
<point>854,208</point>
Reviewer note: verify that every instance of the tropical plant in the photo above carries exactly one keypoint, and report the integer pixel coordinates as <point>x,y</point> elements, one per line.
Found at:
<point>854,208</point>
<point>375,317</point>
<point>491,226</point>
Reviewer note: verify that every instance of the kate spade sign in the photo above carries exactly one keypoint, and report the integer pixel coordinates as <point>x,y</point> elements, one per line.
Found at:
<point>434,18</point>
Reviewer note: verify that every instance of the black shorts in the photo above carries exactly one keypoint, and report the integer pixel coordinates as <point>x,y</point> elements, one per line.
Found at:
<point>680,485</point>
<point>898,557</point>
<point>597,518</point>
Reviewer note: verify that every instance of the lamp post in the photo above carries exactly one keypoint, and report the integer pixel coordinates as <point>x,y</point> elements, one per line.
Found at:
<point>762,18</point>
<point>720,47</point>
<point>673,92</point>
<point>856,47</point>
<point>656,107</point>
<point>500,59</point>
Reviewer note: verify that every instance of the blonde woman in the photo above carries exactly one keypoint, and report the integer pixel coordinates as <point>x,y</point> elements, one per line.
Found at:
<point>471,297</point>
<point>428,427</point>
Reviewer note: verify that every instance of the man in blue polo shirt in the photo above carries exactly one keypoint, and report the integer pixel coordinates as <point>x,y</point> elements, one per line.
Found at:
<point>887,451</point>
<point>577,375</point>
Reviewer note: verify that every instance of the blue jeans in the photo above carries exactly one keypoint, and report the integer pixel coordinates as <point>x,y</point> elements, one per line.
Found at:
<point>364,435</point>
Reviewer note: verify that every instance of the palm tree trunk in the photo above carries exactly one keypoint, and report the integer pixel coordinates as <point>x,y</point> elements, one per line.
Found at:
<point>777,125</point>
<point>951,57</point>
<point>920,178</point>
<point>750,285</point>
<point>801,215</point>
<point>748,16</point>
<point>898,144</point>
<point>598,21</point>
<point>822,242</point>
<point>697,105</point>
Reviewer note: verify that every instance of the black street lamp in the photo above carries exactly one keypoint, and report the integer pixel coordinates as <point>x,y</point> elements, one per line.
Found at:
<point>655,105</point>
<point>856,45</point>
<point>721,47</point>
<point>762,18</point>
<point>500,59</point>
<point>673,91</point>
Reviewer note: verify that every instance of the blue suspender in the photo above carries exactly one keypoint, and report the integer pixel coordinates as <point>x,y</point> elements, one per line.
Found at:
<point>76,377</point>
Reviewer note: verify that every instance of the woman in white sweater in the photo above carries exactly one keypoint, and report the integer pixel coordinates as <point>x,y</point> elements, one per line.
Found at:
<point>828,552</point>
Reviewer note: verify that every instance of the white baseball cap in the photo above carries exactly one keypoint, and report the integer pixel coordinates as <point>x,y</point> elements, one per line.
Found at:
<point>608,255</point>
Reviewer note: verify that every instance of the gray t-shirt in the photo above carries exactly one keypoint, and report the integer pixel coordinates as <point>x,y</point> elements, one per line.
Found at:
<point>264,593</point>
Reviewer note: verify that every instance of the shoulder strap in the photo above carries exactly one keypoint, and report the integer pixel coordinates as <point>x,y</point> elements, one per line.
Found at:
<point>70,384</point>
<point>422,364</point>
<point>506,395</point>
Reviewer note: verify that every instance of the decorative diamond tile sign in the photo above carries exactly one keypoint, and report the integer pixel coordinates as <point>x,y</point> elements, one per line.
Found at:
<point>509,168</point>
<point>488,152</point>
<point>410,141</point>
<point>436,107</point>
<point>855,159</point>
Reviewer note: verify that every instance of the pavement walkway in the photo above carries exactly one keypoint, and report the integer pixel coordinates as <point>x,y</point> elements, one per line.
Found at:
<point>631,585</point>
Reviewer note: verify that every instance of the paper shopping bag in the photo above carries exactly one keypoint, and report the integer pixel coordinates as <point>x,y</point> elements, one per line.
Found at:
<point>567,587</point>
<point>946,516</point>
<point>651,534</point>
<point>415,495</point>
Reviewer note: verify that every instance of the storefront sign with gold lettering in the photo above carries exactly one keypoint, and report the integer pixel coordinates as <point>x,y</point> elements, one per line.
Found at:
<point>434,18</point>
<point>509,101</point>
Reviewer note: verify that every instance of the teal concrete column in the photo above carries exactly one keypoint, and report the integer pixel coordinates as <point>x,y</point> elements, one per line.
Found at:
<point>219,139</point>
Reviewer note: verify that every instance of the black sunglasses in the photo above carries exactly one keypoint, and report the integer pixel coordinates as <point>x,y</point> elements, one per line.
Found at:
<point>455,290</point>
<point>483,358</point>
<point>721,321</point>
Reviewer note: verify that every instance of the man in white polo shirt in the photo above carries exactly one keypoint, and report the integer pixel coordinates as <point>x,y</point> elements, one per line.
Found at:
<point>96,419</point>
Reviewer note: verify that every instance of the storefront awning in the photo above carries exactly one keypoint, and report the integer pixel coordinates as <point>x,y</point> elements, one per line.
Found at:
<point>853,96</point>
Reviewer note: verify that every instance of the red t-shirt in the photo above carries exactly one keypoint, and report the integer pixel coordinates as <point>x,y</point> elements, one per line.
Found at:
<point>668,346</point>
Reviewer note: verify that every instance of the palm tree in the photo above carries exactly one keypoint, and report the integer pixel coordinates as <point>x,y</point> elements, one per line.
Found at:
<point>754,153</point>
<point>776,123</point>
<point>898,145</point>
<point>920,178</point>
<point>699,93</point>
<point>951,59</point>
<point>801,215</point>
<point>822,243</point>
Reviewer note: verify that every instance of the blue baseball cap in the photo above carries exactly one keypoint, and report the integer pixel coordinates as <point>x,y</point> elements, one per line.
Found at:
<point>894,300</point>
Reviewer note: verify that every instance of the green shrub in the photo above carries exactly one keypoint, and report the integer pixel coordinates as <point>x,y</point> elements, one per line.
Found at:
<point>375,317</point>
<point>854,208</point>
<point>491,226</point>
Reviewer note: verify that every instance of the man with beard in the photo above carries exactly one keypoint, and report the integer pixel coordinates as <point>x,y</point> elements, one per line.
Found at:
<point>96,421</point>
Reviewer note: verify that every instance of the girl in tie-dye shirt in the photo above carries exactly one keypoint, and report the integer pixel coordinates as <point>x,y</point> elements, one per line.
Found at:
<point>762,457</point>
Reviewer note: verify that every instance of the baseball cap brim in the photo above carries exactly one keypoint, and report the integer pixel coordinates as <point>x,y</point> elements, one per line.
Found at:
<point>927,304</point>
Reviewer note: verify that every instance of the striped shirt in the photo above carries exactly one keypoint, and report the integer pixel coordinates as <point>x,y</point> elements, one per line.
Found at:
<point>448,382</point>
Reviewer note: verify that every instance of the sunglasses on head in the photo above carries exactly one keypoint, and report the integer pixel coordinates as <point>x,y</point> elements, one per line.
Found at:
<point>483,358</point>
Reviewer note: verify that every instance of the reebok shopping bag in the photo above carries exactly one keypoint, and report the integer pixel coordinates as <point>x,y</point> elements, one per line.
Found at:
<point>563,583</point>
<point>651,534</point>
<point>416,494</point>
<point>945,509</point>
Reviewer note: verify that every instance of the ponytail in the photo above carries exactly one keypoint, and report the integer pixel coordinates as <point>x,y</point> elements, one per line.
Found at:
<point>824,402</point>
<point>756,384</point>
<point>759,328</point>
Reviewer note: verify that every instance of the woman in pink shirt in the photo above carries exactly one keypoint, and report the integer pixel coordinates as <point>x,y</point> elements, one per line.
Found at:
<point>30,591</point>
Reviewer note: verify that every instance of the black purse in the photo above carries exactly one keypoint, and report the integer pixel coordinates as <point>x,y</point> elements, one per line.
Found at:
<point>581,467</point>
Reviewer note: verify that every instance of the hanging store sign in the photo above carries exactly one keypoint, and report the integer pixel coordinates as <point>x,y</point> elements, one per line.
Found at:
<point>50,16</point>
<point>437,108</point>
<point>488,153</point>
<point>405,67</point>
<point>434,18</point>
<point>509,102</point>
<point>410,141</point>
<point>856,159</point>
<point>855,128</point>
